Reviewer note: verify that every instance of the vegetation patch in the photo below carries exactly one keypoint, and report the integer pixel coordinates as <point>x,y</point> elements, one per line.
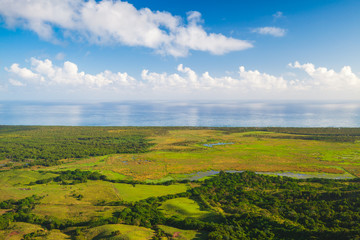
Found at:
<point>185,207</point>
<point>136,192</point>
<point>18,230</point>
<point>176,233</point>
<point>128,181</point>
<point>119,232</point>
<point>46,145</point>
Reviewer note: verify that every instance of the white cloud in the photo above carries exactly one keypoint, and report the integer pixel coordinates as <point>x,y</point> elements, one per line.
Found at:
<point>117,22</point>
<point>23,73</point>
<point>43,72</point>
<point>68,74</point>
<point>244,84</point>
<point>163,80</point>
<point>328,78</point>
<point>256,80</point>
<point>190,80</point>
<point>16,83</point>
<point>39,15</point>
<point>273,31</point>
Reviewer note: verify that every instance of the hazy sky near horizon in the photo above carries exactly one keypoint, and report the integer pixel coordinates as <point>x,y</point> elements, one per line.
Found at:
<point>175,50</point>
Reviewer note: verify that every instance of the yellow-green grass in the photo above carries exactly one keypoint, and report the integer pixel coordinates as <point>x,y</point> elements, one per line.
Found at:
<point>93,191</point>
<point>182,152</point>
<point>55,234</point>
<point>18,229</point>
<point>59,201</point>
<point>77,213</point>
<point>249,152</point>
<point>83,163</point>
<point>113,175</point>
<point>14,184</point>
<point>177,233</point>
<point>17,177</point>
<point>138,192</point>
<point>185,207</point>
<point>122,232</point>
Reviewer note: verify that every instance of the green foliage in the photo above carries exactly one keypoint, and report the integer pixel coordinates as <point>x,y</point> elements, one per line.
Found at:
<point>77,176</point>
<point>45,145</point>
<point>263,207</point>
<point>322,134</point>
<point>20,210</point>
<point>242,205</point>
<point>142,214</point>
<point>251,206</point>
<point>33,235</point>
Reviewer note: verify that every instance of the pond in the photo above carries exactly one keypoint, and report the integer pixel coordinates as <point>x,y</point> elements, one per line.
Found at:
<point>216,144</point>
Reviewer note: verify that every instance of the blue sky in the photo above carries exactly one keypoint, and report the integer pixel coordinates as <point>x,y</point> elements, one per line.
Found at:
<point>231,49</point>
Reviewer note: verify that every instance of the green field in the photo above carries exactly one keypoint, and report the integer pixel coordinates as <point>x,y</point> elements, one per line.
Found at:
<point>18,230</point>
<point>186,208</point>
<point>138,192</point>
<point>141,173</point>
<point>183,234</point>
<point>119,232</point>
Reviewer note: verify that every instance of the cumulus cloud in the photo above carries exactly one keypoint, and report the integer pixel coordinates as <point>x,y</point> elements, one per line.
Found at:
<point>255,79</point>
<point>43,72</point>
<point>186,80</point>
<point>117,22</point>
<point>329,78</point>
<point>23,73</point>
<point>273,31</point>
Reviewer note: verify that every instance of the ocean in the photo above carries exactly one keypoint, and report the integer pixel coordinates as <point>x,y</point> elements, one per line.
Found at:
<point>161,113</point>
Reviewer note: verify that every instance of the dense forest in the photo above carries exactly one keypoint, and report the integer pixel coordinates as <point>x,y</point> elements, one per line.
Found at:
<point>323,134</point>
<point>263,207</point>
<point>247,205</point>
<point>45,145</point>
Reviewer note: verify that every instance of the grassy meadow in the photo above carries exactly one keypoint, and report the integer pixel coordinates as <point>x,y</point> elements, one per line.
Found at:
<point>183,152</point>
<point>119,232</point>
<point>183,234</point>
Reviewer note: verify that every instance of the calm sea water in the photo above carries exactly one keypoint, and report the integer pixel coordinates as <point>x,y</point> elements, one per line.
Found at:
<point>231,114</point>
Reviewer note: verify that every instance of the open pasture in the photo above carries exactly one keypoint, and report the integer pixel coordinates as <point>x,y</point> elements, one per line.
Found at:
<point>184,208</point>
<point>183,234</point>
<point>119,232</point>
<point>129,193</point>
<point>18,230</point>
<point>179,152</point>
<point>62,201</point>
<point>172,152</point>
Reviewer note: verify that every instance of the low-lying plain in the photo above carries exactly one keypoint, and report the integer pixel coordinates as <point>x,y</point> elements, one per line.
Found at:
<point>138,183</point>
